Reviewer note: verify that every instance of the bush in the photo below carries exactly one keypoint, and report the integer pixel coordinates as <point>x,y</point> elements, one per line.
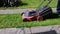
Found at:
<point>10,3</point>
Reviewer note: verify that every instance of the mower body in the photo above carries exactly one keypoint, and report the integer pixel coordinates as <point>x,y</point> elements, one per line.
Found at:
<point>30,15</point>
<point>38,14</point>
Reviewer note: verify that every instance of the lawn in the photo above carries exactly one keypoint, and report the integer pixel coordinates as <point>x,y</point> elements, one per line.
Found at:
<point>10,20</point>
<point>36,3</point>
<point>33,4</point>
<point>14,20</point>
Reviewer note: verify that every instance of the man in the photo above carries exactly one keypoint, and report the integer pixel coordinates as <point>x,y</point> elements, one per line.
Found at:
<point>58,7</point>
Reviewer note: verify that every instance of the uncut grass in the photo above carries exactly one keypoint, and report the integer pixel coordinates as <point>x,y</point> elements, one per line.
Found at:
<point>10,20</point>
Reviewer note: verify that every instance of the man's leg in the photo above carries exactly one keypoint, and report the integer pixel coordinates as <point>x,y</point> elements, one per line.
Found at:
<point>58,7</point>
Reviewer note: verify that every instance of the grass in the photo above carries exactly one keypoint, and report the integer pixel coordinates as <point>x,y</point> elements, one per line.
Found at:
<point>10,20</point>
<point>33,4</point>
<point>36,3</point>
<point>14,20</point>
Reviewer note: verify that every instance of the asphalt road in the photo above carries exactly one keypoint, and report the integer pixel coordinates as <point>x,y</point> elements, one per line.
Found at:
<point>17,11</point>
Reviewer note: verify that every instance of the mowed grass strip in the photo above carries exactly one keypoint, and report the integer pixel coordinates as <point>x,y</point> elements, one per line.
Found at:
<point>36,3</point>
<point>10,20</point>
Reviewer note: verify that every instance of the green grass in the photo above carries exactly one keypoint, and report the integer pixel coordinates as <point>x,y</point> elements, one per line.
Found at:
<point>33,4</point>
<point>10,20</point>
<point>36,3</point>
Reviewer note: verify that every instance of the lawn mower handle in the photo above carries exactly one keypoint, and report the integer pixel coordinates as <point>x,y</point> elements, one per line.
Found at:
<point>43,2</point>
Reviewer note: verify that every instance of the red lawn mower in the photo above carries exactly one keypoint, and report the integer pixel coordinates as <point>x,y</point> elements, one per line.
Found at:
<point>39,14</point>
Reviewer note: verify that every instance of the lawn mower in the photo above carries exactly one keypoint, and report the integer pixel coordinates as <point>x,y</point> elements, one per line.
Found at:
<point>39,14</point>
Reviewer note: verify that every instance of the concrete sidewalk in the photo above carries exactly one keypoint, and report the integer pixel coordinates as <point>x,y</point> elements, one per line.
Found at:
<point>30,30</point>
<point>16,11</point>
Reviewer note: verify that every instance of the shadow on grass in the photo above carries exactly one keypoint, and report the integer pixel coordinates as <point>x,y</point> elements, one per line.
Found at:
<point>53,16</point>
<point>12,7</point>
<point>48,32</point>
<point>21,4</point>
<point>14,4</point>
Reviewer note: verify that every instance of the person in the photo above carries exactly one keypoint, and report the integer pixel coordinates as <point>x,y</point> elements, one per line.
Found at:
<point>58,7</point>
